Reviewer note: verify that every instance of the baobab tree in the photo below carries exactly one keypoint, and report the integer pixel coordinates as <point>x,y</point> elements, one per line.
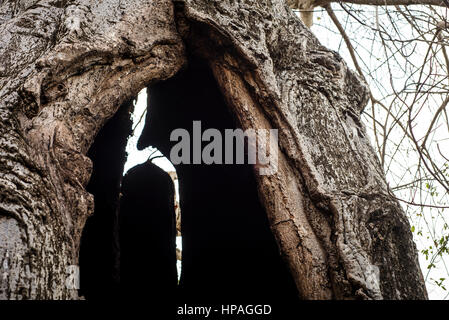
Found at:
<point>66,67</point>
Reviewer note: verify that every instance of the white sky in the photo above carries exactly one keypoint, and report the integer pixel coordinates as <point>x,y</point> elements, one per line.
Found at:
<point>135,156</point>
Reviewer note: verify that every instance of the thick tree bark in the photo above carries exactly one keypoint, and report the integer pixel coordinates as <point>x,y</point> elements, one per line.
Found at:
<point>66,67</point>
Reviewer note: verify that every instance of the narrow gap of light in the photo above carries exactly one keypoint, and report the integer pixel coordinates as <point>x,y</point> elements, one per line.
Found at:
<point>136,157</point>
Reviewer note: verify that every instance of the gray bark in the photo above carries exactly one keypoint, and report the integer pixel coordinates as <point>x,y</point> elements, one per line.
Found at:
<point>66,67</point>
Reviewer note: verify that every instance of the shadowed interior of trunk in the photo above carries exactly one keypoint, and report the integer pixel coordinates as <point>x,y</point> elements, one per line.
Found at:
<point>99,253</point>
<point>147,234</point>
<point>229,252</point>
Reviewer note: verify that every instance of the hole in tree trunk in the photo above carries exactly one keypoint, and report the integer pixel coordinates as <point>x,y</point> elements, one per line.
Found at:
<point>148,234</point>
<point>99,253</point>
<point>229,253</point>
<point>128,245</point>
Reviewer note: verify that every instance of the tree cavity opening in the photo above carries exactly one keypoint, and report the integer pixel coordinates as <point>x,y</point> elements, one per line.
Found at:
<point>229,251</point>
<point>153,155</point>
<point>229,254</point>
<point>137,216</point>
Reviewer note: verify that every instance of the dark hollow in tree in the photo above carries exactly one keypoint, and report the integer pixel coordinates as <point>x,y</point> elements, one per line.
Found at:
<point>229,252</point>
<point>99,253</point>
<point>131,254</point>
<point>148,235</point>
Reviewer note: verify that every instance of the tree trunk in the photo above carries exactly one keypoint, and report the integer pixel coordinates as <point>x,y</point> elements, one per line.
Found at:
<point>67,66</point>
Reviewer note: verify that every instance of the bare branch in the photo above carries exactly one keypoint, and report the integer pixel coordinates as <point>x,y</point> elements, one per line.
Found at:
<point>441,3</point>
<point>307,4</point>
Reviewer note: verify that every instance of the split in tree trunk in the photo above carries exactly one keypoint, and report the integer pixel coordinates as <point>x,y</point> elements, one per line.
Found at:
<point>229,252</point>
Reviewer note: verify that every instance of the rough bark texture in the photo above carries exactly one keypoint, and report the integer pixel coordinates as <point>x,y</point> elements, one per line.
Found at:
<point>66,67</point>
